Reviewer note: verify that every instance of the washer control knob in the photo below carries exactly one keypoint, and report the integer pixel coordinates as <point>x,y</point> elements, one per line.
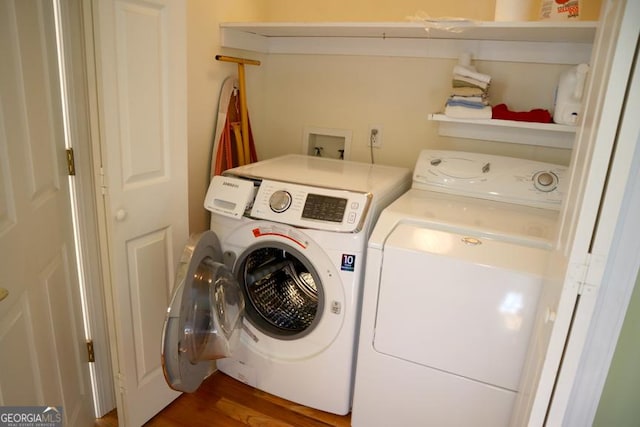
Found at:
<point>545,181</point>
<point>280,201</point>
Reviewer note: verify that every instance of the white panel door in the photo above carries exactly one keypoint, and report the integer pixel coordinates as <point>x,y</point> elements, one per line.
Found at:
<point>577,263</point>
<point>42,352</point>
<point>141,62</point>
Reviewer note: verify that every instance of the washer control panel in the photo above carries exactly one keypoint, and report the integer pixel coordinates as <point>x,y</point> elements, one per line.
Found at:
<point>311,207</point>
<point>491,177</point>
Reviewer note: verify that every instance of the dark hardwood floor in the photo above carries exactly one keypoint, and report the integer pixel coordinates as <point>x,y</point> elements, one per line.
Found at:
<point>222,401</point>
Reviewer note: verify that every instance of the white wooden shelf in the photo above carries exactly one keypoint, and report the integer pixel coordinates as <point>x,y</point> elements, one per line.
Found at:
<point>535,41</point>
<point>541,134</point>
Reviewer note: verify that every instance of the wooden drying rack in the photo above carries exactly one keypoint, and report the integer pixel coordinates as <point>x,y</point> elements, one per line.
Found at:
<point>244,119</point>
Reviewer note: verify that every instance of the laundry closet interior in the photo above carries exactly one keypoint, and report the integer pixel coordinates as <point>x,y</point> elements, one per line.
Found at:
<point>354,73</point>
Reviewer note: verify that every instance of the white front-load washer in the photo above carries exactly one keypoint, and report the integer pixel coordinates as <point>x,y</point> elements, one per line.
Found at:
<point>288,240</point>
<point>455,270</point>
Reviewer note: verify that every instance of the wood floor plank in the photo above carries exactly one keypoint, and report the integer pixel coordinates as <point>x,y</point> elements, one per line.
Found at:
<point>325,417</point>
<point>248,416</point>
<point>266,403</point>
<point>221,401</point>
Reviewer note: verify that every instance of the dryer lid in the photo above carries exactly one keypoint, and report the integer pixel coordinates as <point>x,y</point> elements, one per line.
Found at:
<point>204,319</point>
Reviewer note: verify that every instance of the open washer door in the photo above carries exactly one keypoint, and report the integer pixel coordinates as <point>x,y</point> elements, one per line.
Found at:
<point>204,319</point>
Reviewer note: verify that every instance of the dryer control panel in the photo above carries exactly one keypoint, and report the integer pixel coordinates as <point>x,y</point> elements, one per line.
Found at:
<point>505,179</point>
<point>311,207</point>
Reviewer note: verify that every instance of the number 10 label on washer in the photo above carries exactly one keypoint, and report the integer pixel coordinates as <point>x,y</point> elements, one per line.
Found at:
<point>348,262</point>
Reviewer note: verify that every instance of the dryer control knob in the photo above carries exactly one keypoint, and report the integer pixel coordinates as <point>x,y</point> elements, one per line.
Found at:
<point>545,181</point>
<point>280,201</point>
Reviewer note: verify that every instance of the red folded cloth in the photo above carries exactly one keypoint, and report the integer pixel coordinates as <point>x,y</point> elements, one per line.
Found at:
<point>538,115</point>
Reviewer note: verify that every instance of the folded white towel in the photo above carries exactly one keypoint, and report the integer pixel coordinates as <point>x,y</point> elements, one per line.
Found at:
<point>467,91</point>
<point>467,113</point>
<point>480,99</point>
<point>467,72</point>
<point>463,81</point>
<point>468,104</point>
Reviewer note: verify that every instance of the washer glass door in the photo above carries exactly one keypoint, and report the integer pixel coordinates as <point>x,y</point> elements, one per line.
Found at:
<point>205,316</point>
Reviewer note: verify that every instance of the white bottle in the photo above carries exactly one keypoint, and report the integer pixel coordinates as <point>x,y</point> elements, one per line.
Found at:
<point>568,102</point>
<point>512,10</point>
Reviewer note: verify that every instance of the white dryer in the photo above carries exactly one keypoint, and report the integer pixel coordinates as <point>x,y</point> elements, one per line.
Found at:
<point>273,290</point>
<point>455,270</point>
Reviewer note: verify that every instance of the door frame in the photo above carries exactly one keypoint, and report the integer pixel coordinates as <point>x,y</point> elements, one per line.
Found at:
<point>77,35</point>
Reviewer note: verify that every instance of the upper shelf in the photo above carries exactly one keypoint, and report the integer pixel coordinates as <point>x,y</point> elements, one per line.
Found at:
<point>541,134</point>
<point>534,41</point>
<point>533,31</point>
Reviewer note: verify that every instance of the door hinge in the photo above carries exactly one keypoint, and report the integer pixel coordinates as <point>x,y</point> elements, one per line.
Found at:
<point>120,381</point>
<point>90,354</point>
<point>103,186</point>
<point>582,271</point>
<point>589,274</point>
<point>594,271</point>
<point>71,165</point>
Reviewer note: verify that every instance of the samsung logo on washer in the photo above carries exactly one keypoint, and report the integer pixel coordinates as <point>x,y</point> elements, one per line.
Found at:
<point>230,184</point>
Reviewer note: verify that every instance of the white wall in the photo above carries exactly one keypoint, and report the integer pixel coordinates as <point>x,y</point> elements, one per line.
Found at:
<point>398,10</point>
<point>352,92</point>
<point>618,403</point>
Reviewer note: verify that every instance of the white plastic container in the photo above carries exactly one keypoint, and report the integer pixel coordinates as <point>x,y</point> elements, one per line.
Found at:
<point>512,10</point>
<point>568,101</point>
